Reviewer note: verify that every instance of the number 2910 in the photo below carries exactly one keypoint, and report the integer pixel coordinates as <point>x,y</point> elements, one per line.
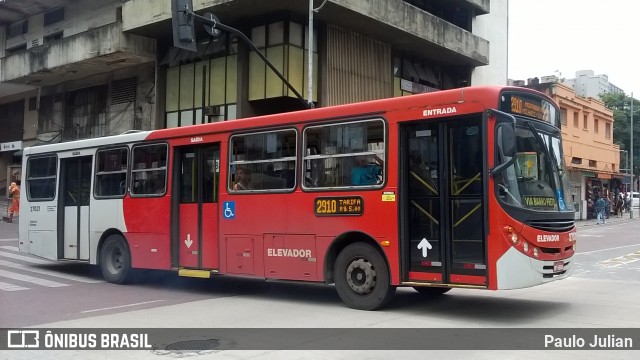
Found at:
<point>326,206</point>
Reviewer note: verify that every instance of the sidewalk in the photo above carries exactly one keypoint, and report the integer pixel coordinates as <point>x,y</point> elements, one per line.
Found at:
<point>4,210</point>
<point>613,219</point>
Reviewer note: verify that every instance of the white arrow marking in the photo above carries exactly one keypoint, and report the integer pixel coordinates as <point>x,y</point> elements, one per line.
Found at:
<point>424,245</point>
<point>188,242</point>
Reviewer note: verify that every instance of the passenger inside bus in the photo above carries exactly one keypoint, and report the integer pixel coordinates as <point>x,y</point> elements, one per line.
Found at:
<point>243,179</point>
<point>367,172</point>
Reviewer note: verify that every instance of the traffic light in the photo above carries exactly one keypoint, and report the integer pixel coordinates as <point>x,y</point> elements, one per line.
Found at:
<point>184,35</point>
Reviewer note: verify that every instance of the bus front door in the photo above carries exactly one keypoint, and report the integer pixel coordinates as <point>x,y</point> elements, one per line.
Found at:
<point>195,209</point>
<point>73,221</point>
<point>443,207</point>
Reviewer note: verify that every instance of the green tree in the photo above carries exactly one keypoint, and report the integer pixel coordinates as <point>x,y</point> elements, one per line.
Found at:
<point>621,106</point>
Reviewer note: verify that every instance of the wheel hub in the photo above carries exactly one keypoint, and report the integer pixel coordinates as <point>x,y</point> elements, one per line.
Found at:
<point>116,260</point>
<point>361,276</point>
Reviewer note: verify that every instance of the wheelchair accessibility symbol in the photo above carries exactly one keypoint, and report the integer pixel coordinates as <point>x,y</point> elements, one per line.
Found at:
<point>229,211</point>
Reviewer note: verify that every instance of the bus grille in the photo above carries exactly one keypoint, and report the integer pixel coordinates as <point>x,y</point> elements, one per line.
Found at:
<point>552,225</point>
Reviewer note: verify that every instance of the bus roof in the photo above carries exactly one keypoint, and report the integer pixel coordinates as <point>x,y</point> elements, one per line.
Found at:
<point>487,96</point>
<point>484,95</point>
<point>127,137</point>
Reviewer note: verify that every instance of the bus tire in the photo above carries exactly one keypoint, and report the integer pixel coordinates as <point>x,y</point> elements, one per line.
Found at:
<point>431,291</point>
<point>115,260</point>
<point>362,277</point>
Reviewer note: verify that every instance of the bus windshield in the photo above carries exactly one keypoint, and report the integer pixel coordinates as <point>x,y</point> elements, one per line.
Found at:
<point>536,180</point>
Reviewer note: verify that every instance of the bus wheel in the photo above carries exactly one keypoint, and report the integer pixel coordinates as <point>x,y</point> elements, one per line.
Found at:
<point>362,277</point>
<point>431,291</point>
<point>115,260</point>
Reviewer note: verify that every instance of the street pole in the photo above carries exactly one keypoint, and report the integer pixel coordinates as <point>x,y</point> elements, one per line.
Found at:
<point>310,52</point>
<point>631,169</point>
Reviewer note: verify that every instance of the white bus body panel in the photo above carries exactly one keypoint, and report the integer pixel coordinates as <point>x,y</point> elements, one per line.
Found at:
<point>105,214</point>
<point>38,227</point>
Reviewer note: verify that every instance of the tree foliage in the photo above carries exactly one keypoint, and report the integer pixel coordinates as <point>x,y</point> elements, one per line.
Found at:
<point>621,106</point>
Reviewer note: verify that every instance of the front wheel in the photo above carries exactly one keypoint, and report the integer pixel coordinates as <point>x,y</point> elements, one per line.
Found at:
<point>362,277</point>
<point>115,260</point>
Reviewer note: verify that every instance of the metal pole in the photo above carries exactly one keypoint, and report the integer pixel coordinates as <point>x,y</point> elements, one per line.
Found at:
<point>631,169</point>
<point>310,56</point>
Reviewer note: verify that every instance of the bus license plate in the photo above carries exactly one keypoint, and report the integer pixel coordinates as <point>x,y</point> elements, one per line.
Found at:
<point>558,266</point>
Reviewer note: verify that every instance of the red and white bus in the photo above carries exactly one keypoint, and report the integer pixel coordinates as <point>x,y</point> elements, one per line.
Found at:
<point>458,188</point>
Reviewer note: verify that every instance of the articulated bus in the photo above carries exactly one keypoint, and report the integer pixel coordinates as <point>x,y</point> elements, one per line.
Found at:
<point>457,188</point>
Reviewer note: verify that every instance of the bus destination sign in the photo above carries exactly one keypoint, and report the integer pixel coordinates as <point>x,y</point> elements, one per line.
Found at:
<point>540,202</point>
<point>532,106</point>
<point>527,107</point>
<point>340,205</point>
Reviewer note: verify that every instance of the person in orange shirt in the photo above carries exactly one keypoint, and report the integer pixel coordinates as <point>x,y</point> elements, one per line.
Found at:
<point>14,192</point>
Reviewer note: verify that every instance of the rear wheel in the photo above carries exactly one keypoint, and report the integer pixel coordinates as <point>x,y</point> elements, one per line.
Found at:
<point>431,291</point>
<point>115,260</point>
<point>362,278</point>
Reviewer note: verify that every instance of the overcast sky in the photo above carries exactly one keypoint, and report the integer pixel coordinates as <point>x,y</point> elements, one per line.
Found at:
<point>546,36</point>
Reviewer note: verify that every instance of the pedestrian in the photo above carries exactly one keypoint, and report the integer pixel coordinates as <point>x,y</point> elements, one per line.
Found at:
<point>601,207</point>
<point>14,193</point>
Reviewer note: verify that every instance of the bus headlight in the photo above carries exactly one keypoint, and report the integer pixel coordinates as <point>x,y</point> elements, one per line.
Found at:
<point>535,251</point>
<point>526,246</point>
<point>514,238</point>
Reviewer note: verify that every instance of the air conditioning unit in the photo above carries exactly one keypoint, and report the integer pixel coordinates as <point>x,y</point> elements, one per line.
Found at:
<point>212,110</point>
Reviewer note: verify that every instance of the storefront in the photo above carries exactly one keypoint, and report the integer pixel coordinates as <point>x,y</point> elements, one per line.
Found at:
<point>10,164</point>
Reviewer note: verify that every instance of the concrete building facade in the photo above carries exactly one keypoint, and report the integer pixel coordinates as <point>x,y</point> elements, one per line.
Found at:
<point>587,84</point>
<point>88,68</point>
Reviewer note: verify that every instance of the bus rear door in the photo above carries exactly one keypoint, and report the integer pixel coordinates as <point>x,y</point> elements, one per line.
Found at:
<point>443,204</point>
<point>195,208</point>
<point>73,219</point>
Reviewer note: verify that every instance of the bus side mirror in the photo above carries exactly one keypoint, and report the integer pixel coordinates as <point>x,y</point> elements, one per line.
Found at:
<point>507,139</point>
<point>184,34</point>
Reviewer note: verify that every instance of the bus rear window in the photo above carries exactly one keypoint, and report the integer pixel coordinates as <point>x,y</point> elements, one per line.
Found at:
<point>41,178</point>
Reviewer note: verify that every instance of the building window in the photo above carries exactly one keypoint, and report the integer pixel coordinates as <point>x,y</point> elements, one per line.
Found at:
<point>607,130</point>
<point>575,119</point>
<point>595,126</point>
<point>111,173</point>
<point>12,120</point>
<point>576,160</point>
<point>50,115</point>
<point>585,122</point>
<point>17,29</point>
<point>563,116</point>
<point>203,91</point>
<point>263,161</point>
<point>593,163</point>
<point>285,44</point>
<point>86,114</point>
<point>53,16</point>
<point>16,49</point>
<point>53,37</point>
